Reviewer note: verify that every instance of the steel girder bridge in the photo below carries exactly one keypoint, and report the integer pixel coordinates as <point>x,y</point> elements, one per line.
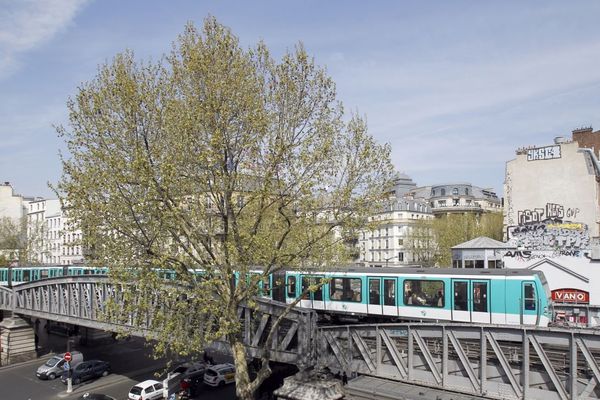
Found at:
<point>81,300</point>
<point>484,361</point>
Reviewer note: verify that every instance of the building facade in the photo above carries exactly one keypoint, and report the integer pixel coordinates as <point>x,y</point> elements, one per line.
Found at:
<point>398,237</point>
<point>458,198</point>
<point>13,206</point>
<point>551,219</point>
<point>552,195</point>
<point>52,238</point>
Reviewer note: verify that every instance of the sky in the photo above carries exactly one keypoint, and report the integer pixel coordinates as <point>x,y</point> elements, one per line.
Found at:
<point>455,87</point>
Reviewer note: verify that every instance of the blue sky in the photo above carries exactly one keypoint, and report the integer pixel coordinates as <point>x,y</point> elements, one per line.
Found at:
<point>454,86</point>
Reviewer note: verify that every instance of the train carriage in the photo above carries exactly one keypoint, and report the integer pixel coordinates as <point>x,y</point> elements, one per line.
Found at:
<point>513,297</point>
<point>510,297</point>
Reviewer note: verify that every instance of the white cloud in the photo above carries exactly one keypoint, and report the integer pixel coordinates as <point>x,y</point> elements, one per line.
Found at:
<point>25,24</point>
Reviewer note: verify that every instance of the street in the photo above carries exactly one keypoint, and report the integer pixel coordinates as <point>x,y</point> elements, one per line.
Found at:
<point>131,362</point>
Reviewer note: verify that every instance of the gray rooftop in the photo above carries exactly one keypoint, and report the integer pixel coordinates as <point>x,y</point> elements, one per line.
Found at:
<point>483,242</point>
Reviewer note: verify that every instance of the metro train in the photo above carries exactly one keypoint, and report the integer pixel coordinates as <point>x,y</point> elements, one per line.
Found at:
<point>25,274</point>
<point>500,296</point>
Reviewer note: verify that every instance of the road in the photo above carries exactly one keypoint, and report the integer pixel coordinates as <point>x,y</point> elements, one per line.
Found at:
<point>131,363</point>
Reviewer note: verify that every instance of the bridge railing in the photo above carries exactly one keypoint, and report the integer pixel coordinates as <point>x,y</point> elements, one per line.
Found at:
<point>490,361</point>
<point>81,300</point>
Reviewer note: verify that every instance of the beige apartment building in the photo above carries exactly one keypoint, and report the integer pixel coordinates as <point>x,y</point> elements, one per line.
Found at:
<point>552,194</point>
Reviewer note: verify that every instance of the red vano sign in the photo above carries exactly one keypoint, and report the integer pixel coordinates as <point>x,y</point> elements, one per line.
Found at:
<point>570,296</point>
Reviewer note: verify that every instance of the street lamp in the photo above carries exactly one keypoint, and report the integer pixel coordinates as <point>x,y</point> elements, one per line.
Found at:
<point>388,259</point>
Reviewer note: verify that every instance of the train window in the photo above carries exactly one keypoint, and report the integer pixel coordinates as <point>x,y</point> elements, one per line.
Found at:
<point>529,296</point>
<point>480,297</point>
<point>374,295</point>
<point>460,296</point>
<point>44,273</point>
<point>312,280</point>
<point>389,292</point>
<point>291,287</point>
<point>345,289</point>
<point>26,275</point>
<point>424,293</point>
<point>265,286</point>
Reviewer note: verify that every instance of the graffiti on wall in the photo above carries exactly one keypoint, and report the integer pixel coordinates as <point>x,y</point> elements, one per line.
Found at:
<point>549,228</point>
<point>528,255</point>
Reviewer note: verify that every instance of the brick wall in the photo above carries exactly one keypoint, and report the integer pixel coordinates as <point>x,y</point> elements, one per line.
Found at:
<point>587,138</point>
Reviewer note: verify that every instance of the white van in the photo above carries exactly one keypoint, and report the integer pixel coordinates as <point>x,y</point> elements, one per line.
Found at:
<point>54,367</point>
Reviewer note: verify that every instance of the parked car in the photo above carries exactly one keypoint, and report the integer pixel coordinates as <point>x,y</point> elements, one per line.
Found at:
<point>95,396</point>
<point>189,370</point>
<point>55,366</point>
<point>147,390</point>
<point>219,375</point>
<point>86,370</point>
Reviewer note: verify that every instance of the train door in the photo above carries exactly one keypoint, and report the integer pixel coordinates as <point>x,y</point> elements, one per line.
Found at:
<point>480,304</point>
<point>461,312</point>
<point>375,303</point>
<point>312,299</point>
<point>471,301</point>
<point>530,310</point>
<point>278,286</point>
<point>390,286</point>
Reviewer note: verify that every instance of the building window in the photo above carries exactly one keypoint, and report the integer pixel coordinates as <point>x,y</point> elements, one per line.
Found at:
<point>441,203</point>
<point>443,192</point>
<point>455,263</point>
<point>455,191</point>
<point>400,242</point>
<point>456,202</point>
<point>401,257</point>
<point>467,191</point>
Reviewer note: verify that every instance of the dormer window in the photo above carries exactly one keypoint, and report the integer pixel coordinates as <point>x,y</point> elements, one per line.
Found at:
<point>455,192</point>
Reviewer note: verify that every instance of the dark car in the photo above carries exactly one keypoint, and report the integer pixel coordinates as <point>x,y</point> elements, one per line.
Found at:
<point>95,396</point>
<point>87,370</point>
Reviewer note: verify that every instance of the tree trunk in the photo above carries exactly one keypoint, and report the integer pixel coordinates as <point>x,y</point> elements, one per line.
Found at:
<point>242,378</point>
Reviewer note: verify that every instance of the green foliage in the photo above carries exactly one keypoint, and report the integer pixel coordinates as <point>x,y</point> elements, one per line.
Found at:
<point>432,240</point>
<point>219,158</point>
<point>13,241</point>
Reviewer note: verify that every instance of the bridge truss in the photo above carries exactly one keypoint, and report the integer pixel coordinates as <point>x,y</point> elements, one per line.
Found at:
<point>81,300</point>
<point>487,361</point>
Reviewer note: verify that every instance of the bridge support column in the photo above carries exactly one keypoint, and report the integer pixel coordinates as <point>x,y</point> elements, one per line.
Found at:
<point>17,341</point>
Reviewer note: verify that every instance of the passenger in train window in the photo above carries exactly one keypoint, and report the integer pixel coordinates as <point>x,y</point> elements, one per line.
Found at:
<point>337,295</point>
<point>438,300</point>
<point>409,297</point>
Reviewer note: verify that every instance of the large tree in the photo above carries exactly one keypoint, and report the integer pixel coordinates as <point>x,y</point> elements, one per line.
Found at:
<point>432,240</point>
<point>221,159</point>
<point>13,241</point>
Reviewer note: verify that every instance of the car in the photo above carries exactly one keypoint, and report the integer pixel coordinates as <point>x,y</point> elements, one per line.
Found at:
<point>54,367</point>
<point>146,390</point>
<point>86,370</point>
<point>219,375</point>
<point>95,396</point>
<point>189,370</point>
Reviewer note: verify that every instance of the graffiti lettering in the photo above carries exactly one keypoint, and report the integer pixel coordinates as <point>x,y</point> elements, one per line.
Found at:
<point>555,211</point>
<point>530,216</point>
<point>572,212</point>
<point>543,153</point>
<point>523,254</point>
<point>546,236</point>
